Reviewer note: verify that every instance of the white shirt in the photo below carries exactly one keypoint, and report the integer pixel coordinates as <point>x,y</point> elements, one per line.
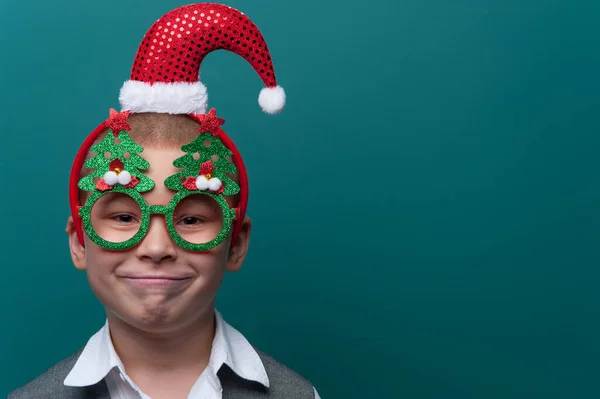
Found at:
<point>100,360</point>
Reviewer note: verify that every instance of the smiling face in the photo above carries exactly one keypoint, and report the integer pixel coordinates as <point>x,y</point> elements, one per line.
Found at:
<point>156,285</point>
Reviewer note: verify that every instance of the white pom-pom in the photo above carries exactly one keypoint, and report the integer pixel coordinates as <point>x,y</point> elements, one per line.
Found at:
<point>124,178</point>
<point>201,183</point>
<point>214,184</point>
<point>111,178</point>
<point>272,99</point>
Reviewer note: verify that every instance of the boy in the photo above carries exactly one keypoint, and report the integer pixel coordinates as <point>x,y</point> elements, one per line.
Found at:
<point>158,196</point>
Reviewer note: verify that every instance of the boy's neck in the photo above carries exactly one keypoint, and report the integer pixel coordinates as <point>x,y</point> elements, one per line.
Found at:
<point>186,348</point>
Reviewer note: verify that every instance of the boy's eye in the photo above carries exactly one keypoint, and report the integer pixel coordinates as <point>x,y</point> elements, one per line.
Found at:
<point>190,220</point>
<point>123,218</point>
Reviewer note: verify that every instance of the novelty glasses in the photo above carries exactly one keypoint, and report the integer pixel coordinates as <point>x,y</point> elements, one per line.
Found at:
<point>120,219</point>
<point>116,216</point>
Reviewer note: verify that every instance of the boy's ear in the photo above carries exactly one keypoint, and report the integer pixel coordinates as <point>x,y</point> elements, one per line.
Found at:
<point>237,253</point>
<point>77,250</point>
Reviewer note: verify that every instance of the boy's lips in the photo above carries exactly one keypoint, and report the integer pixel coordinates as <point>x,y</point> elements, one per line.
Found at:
<point>155,277</point>
<point>166,281</point>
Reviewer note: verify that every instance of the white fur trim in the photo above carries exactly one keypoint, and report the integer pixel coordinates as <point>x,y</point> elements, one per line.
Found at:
<point>201,182</point>
<point>214,184</point>
<point>124,178</point>
<point>111,178</point>
<point>169,98</point>
<point>272,99</point>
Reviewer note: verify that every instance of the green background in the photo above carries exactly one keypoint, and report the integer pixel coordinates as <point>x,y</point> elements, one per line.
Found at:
<point>426,209</point>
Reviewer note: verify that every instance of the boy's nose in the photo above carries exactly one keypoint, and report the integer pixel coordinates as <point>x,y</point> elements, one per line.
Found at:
<point>157,246</point>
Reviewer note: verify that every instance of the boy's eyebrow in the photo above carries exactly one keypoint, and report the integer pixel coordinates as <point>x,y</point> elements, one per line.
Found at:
<point>109,199</point>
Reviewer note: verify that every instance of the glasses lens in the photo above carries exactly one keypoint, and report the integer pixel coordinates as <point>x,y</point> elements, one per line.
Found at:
<point>116,217</point>
<point>198,219</point>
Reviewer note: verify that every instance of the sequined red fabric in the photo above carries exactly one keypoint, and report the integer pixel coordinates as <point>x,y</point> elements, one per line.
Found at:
<point>176,44</point>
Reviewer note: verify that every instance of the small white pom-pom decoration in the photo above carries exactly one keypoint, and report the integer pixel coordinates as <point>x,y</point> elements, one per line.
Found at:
<point>214,184</point>
<point>124,178</point>
<point>272,99</point>
<point>201,183</point>
<point>111,178</point>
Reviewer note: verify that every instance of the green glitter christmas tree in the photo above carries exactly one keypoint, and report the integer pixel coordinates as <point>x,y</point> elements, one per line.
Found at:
<point>205,165</point>
<point>117,162</point>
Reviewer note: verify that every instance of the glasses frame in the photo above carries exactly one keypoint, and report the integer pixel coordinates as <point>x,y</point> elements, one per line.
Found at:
<point>229,215</point>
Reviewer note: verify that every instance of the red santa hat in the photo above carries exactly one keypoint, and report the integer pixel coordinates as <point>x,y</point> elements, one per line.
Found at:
<point>166,69</point>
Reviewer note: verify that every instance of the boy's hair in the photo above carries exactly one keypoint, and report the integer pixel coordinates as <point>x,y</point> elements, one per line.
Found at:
<point>161,131</point>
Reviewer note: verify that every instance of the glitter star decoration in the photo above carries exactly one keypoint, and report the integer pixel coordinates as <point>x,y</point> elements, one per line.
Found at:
<point>210,122</point>
<point>117,121</point>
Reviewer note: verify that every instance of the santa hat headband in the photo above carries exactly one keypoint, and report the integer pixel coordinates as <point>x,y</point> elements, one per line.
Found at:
<point>166,69</point>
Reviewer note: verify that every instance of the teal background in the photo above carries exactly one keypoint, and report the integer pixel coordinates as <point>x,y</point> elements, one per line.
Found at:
<point>426,209</point>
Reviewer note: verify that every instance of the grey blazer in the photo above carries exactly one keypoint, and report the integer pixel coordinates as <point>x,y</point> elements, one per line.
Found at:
<point>284,384</point>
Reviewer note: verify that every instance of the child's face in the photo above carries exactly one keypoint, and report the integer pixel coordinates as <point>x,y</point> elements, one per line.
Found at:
<point>189,281</point>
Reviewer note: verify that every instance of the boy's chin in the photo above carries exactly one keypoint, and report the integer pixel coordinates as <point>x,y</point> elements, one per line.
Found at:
<point>161,318</point>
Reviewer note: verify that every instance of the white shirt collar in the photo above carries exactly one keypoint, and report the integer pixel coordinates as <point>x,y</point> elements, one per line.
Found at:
<point>229,347</point>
